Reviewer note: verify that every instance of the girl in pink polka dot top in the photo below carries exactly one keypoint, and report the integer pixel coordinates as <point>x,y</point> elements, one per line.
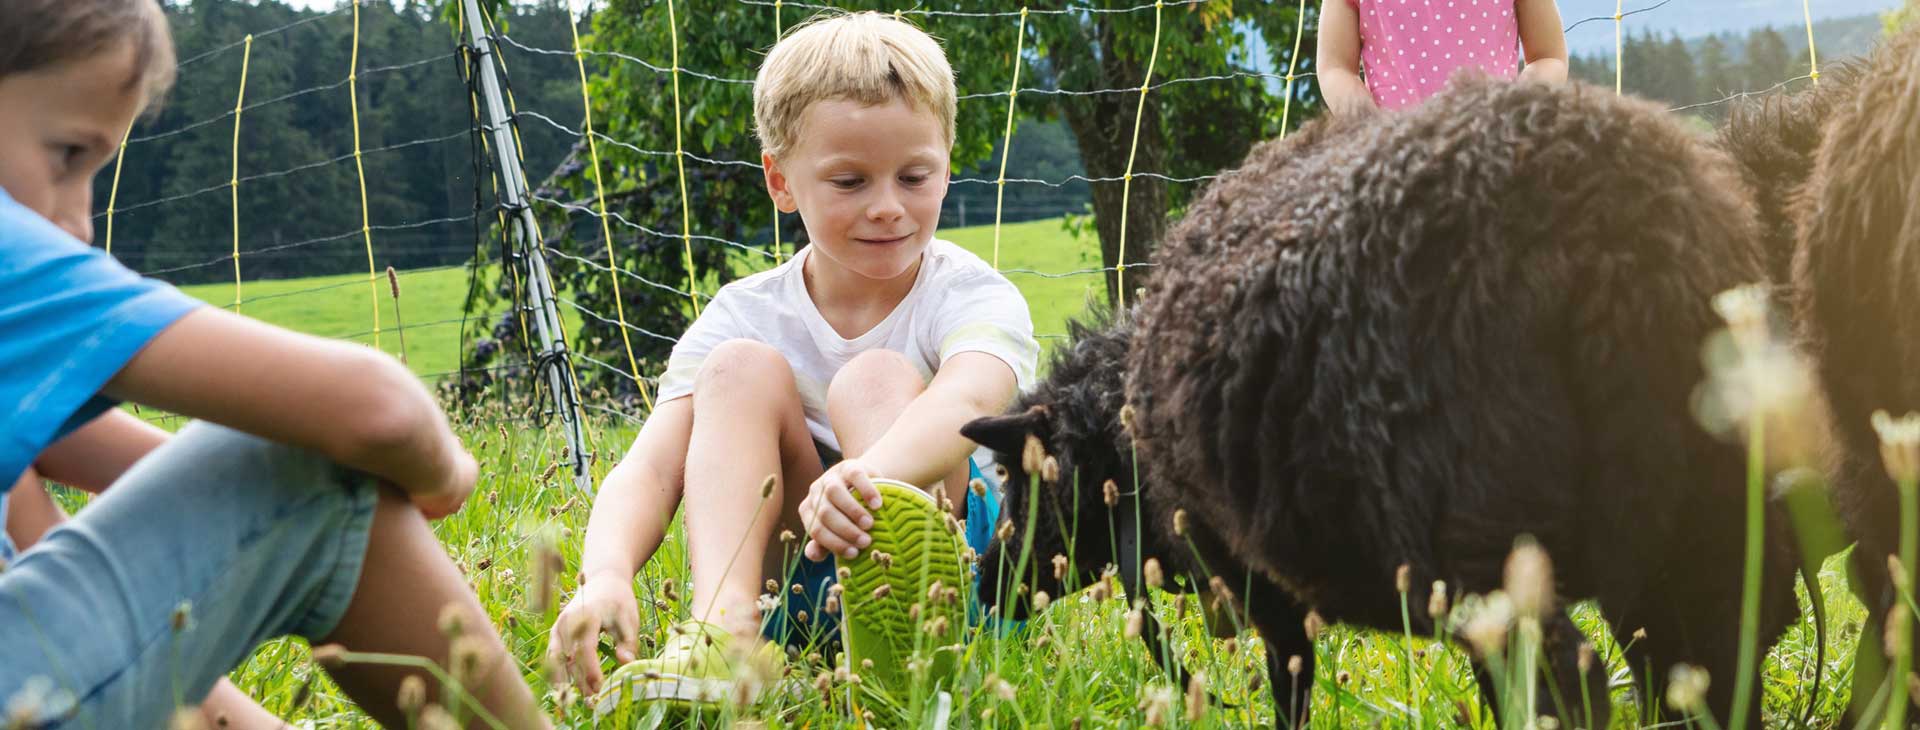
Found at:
<point>1405,50</point>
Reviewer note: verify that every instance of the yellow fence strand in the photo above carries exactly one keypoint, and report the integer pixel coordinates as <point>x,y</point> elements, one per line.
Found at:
<point>1126,181</point>
<point>606,228</point>
<point>366,230</point>
<point>777,32</point>
<point>233,183</point>
<point>1619,55</point>
<point>1299,31</point>
<point>680,165</point>
<point>1006,142</point>
<point>1813,57</point>
<point>113,192</point>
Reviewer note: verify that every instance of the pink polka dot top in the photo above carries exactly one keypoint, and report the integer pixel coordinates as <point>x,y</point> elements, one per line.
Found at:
<point>1409,48</point>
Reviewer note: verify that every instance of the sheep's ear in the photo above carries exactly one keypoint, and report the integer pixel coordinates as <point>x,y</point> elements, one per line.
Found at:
<point>1005,434</point>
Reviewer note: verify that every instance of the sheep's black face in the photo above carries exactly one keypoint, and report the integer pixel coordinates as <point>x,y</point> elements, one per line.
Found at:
<point>1063,525</point>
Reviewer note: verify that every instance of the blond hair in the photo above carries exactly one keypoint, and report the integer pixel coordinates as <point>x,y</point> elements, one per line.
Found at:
<point>39,34</point>
<point>868,58</point>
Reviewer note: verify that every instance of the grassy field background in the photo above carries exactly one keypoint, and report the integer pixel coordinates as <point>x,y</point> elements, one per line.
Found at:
<point>341,307</point>
<point>1073,666</point>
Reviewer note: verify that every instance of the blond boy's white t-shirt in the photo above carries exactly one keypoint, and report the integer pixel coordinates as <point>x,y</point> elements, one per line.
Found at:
<point>958,304</point>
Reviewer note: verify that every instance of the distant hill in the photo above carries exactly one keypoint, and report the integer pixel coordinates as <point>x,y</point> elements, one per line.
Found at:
<point>1699,18</point>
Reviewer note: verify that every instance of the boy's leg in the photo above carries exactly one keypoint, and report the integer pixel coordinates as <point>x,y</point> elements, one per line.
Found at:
<point>31,513</point>
<point>747,423</point>
<point>209,546</point>
<point>868,395</point>
<point>407,587</point>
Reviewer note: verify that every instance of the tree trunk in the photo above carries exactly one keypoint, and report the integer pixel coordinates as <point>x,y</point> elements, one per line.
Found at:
<point>1103,127</point>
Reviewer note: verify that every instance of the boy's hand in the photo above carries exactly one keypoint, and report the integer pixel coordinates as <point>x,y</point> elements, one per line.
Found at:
<point>833,513</point>
<point>604,603</point>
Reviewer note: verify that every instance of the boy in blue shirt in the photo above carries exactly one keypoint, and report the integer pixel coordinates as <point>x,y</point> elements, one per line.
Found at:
<point>297,505</point>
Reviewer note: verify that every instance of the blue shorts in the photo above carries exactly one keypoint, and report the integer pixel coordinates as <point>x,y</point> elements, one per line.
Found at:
<point>820,631</point>
<point>252,539</point>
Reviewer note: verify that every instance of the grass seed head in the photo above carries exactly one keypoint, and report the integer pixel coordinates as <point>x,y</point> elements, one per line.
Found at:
<point>1899,445</point>
<point>435,717</point>
<point>1687,688</point>
<point>1437,600</point>
<point>1315,625</point>
<point>412,696</point>
<point>1403,578</point>
<point>1180,522</point>
<point>331,656</point>
<point>1529,579</point>
<point>187,718</point>
<point>1033,456</point>
<point>1196,696</point>
<point>1153,574</point>
<point>1110,493</point>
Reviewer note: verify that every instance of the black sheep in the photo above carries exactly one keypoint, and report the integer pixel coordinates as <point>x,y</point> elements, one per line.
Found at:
<point>1856,269</point>
<point>1409,339</point>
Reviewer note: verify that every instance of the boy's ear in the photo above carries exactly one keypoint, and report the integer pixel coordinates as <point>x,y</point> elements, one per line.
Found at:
<point>1005,434</point>
<point>777,185</point>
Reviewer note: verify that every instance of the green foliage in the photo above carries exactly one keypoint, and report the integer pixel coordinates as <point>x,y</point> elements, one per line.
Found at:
<point>307,222</point>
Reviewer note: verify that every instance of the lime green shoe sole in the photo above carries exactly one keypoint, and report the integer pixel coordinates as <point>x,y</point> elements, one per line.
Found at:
<point>894,618</point>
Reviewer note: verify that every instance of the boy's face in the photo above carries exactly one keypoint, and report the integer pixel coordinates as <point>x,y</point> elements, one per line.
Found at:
<point>58,125</point>
<point>867,181</point>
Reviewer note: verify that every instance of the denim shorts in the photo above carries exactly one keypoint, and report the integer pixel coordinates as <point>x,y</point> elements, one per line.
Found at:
<point>212,544</point>
<point>820,630</point>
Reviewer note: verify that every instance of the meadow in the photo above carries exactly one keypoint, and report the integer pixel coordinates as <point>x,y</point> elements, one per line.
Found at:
<point>1073,666</point>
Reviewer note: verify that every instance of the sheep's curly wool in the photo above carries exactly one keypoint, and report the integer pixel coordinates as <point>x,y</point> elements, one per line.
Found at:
<point>1412,338</point>
<point>1855,274</point>
<point>1773,141</point>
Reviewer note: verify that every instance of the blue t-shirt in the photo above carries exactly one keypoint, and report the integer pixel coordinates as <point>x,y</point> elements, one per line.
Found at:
<point>70,318</point>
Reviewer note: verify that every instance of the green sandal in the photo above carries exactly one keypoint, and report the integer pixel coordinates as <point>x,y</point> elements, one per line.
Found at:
<point>902,607</point>
<point>694,671</point>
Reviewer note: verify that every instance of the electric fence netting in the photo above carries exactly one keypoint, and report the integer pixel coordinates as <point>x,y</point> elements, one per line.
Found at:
<point>559,289</point>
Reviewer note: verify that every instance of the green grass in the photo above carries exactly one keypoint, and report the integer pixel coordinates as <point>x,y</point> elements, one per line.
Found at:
<point>1075,661</point>
<point>342,307</point>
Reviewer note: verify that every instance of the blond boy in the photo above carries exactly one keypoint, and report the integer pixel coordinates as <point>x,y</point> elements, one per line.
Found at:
<point>877,342</point>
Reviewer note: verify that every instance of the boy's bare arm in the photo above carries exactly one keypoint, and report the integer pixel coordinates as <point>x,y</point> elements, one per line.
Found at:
<point>639,496</point>
<point>925,442</point>
<point>630,517</point>
<point>1542,40</point>
<point>95,455</point>
<point>1337,60</point>
<point>351,404</point>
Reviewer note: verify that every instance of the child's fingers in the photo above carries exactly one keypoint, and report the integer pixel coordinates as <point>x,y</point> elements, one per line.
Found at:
<point>842,499</point>
<point>626,637</point>
<point>815,552</point>
<point>859,482</point>
<point>572,647</point>
<point>838,534</point>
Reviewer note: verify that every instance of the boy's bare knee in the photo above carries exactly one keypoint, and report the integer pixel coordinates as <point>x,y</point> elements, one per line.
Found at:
<point>745,367</point>
<point>874,378</point>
